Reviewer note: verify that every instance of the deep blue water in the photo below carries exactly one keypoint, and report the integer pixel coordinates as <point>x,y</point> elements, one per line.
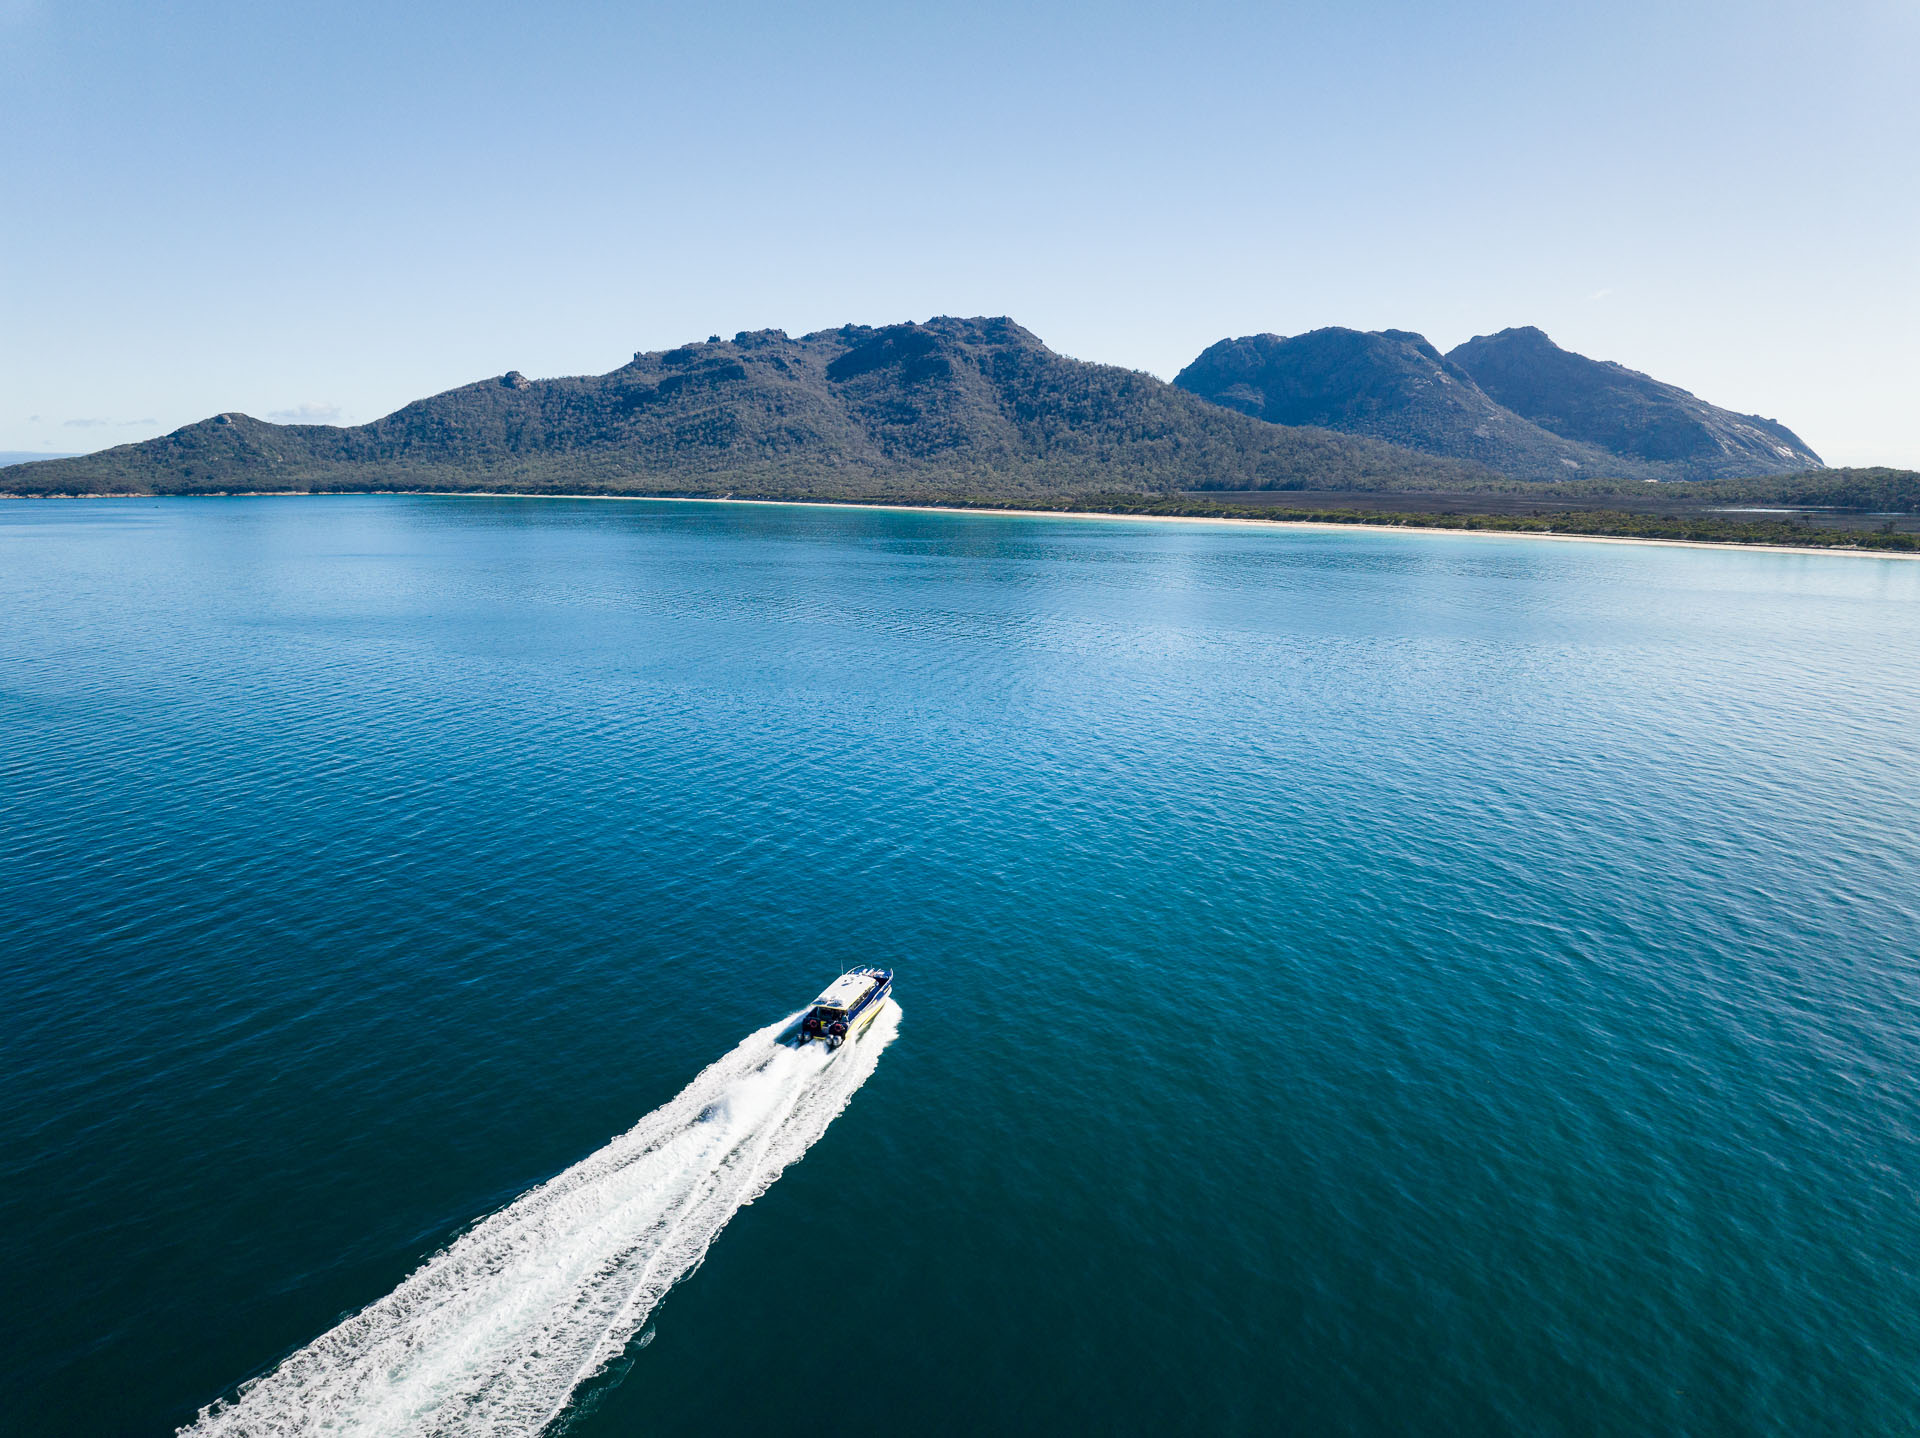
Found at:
<point>1351,982</point>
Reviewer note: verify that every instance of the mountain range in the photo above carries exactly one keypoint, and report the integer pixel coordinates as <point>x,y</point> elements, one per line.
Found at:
<point>953,408</point>
<point>963,409</point>
<point>1514,401</point>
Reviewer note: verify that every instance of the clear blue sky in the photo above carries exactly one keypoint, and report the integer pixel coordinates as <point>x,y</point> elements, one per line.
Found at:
<point>330,210</point>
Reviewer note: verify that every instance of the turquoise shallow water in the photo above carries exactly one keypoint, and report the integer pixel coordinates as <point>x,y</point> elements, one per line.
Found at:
<point>1358,983</point>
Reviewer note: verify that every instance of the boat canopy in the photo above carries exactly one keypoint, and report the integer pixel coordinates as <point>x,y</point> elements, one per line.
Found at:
<point>845,991</point>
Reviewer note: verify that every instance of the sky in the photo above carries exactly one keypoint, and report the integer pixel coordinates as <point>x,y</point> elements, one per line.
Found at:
<point>320,212</point>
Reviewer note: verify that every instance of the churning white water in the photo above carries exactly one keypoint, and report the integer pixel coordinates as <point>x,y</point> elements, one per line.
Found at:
<point>492,1335</point>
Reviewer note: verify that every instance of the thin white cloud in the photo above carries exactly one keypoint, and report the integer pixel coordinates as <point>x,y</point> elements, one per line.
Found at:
<point>84,423</point>
<point>1599,295</point>
<point>308,413</point>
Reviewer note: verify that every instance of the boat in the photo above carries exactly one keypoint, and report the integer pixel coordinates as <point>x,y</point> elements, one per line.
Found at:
<point>848,1005</point>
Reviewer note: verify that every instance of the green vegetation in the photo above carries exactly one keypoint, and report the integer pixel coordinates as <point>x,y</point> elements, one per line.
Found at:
<point>1878,490</point>
<point>1874,490</point>
<point>1616,523</point>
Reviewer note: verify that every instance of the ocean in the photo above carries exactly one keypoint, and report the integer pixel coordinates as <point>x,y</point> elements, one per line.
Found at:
<point>1347,982</point>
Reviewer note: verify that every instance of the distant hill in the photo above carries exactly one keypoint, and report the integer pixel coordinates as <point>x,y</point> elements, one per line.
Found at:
<point>1391,385</point>
<point>953,408</point>
<point>28,456</point>
<point>1515,402</point>
<point>1625,412</point>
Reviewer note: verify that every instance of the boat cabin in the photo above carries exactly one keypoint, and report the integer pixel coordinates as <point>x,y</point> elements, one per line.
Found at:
<point>849,1002</point>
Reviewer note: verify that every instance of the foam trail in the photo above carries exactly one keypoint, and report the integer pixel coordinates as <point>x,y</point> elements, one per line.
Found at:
<point>493,1334</point>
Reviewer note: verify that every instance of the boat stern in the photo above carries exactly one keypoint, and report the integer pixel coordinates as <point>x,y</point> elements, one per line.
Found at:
<point>849,1004</point>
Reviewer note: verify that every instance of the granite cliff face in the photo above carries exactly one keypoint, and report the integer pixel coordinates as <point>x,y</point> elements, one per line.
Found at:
<point>1625,412</point>
<point>953,408</point>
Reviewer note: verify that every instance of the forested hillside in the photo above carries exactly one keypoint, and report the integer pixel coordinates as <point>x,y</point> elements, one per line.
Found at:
<point>953,408</point>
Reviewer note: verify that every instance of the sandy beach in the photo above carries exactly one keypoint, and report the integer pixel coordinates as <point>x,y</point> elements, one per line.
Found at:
<point>1307,524</point>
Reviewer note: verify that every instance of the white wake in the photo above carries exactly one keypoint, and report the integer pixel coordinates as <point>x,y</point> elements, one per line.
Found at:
<point>492,1335</point>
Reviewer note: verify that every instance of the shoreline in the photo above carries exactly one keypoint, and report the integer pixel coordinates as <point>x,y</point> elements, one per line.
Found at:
<point>1314,525</point>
